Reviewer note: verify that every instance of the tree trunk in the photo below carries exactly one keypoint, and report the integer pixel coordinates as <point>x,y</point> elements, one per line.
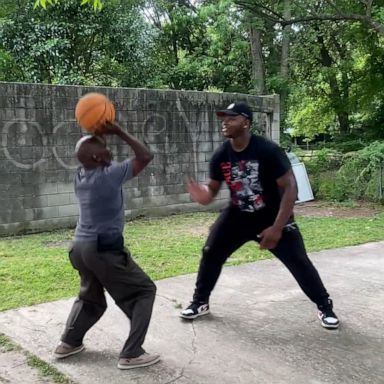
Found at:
<point>284,65</point>
<point>258,68</point>
<point>174,40</point>
<point>343,119</point>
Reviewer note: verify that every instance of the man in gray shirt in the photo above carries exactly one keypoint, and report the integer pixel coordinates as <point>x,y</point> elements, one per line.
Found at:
<point>98,251</point>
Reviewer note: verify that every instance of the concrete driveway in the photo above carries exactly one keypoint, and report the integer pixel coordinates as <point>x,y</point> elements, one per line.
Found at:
<point>262,329</point>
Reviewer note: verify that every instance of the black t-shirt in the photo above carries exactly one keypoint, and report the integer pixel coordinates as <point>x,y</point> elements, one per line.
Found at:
<point>251,175</point>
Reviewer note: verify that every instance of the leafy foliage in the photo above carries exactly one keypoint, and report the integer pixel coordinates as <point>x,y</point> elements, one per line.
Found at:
<point>97,4</point>
<point>201,48</point>
<point>333,84</point>
<point>9,71</point>
<point>69,44</point>
<point>353,176</point>
<point>360,172</point>
<point>311,116</point>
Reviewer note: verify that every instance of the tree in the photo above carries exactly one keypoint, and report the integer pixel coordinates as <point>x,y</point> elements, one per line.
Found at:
<point>179,33</point>
<point>332,66</point>
<point>367,12</point>
<point>200,46</point>
<point>228,54</point>
<point>257,57</point>
<point>322,61</point>
<point>324,57</point>
<point>67,44</point>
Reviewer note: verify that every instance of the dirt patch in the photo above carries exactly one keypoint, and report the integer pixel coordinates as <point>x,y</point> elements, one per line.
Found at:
<point>324,209</point>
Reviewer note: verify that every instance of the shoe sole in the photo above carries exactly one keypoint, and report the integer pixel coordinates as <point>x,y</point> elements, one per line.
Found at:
<point>147,364</point>
<point>62,356</point>
<point>328,326</point>
<point>193,316</point>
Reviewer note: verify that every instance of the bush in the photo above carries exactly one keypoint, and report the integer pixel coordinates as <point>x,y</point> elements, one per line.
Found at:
<point>348,145</point>
<point>361,169</point>
<point>327,186</point>
<point>355,176</point>
<point>322,160</point>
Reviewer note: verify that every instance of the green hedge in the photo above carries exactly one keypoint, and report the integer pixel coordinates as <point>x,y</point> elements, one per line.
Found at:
<point>341,177</point>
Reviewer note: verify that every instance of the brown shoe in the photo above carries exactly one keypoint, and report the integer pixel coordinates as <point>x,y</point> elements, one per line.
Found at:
<point>65,350</point>
<point>143,360</point>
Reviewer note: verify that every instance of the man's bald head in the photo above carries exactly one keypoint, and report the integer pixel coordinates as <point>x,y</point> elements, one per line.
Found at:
<point>92,152</point>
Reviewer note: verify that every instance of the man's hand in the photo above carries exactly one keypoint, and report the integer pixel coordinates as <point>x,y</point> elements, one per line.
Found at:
<point>199,193</point>
<point>143,156</point>
<point>110,128</point>
<point>269,237</point>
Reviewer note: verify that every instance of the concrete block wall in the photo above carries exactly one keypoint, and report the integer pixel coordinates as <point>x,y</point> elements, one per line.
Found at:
<point>38,134</point>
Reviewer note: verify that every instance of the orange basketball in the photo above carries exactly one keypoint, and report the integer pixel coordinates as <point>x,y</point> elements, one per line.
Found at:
<point>93,110</point>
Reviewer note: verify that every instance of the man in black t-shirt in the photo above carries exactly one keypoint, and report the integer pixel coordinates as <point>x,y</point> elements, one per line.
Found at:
<point>263,193</point>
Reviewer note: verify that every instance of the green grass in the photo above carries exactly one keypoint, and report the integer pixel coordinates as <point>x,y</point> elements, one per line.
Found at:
<point>7,345</point>
<point>46,370</point>
<point>43,368</point>
<point>35,268</point>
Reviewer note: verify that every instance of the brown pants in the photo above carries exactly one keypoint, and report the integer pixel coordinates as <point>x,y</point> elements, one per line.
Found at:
<point>132,290</point>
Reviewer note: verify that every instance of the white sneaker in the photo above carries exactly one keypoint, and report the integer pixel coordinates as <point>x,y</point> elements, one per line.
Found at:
<point>328,318</point>
<point>195,310</point>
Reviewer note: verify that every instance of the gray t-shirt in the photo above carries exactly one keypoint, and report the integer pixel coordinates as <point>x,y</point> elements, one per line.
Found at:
<point>101,201</point>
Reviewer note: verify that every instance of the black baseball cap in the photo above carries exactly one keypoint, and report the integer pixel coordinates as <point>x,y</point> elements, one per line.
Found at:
<point>235,109</point>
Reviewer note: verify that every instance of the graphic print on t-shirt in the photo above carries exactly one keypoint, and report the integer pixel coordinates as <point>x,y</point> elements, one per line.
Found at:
<point>243,181</point>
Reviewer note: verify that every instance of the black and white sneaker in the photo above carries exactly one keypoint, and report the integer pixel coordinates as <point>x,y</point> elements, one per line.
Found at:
<point>328,318</point>
<point>195,310</point>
